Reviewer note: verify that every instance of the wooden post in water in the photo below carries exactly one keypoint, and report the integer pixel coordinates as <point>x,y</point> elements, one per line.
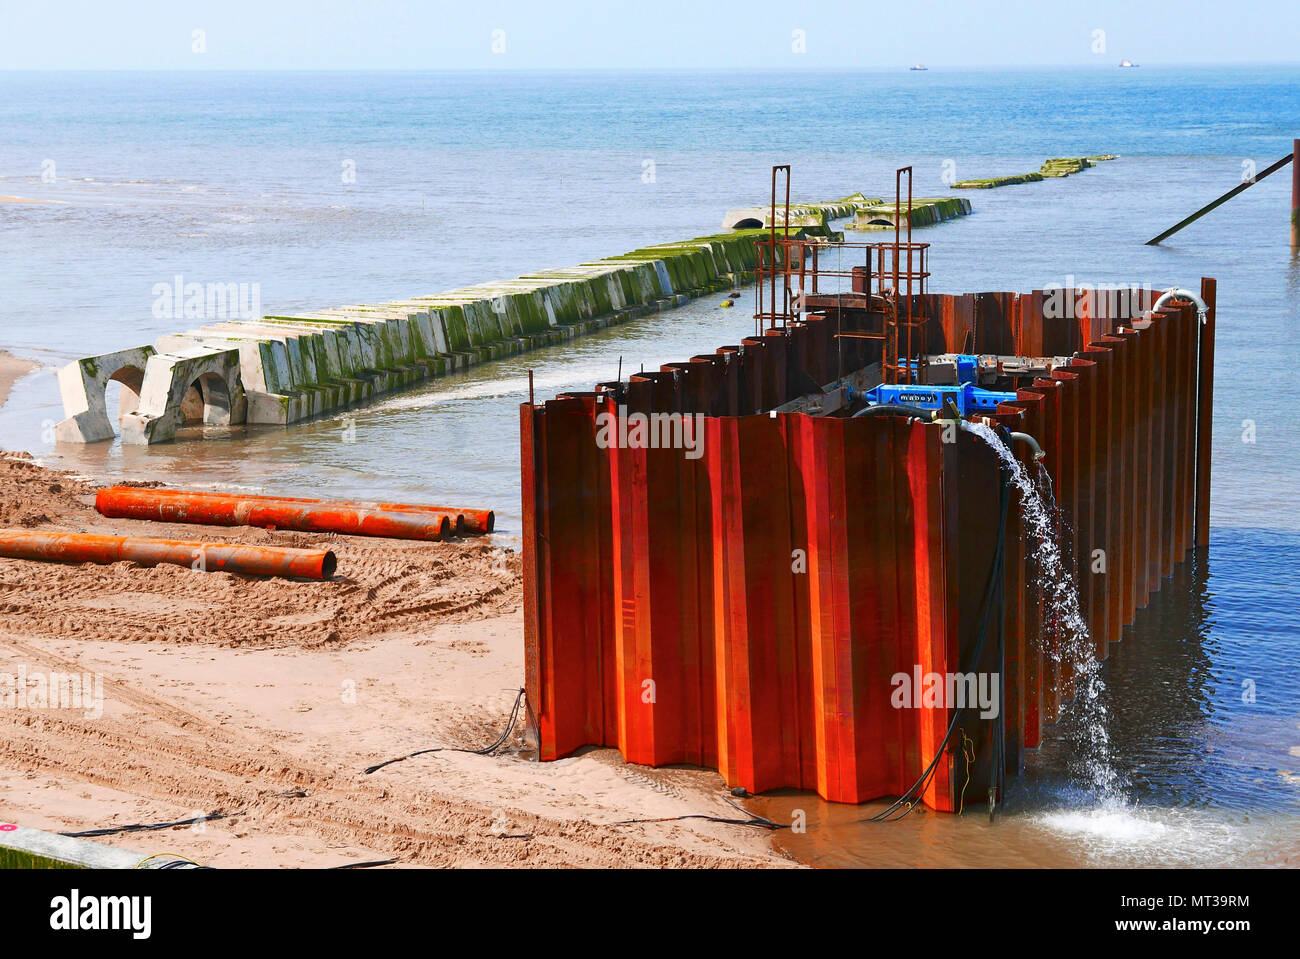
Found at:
<point>1205,409</point>
<point>1295,194</point>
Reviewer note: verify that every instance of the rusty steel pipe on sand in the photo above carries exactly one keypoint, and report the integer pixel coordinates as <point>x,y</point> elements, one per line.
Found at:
<point>208,557</point>
<point>219,509</point>
<point>474,522</point>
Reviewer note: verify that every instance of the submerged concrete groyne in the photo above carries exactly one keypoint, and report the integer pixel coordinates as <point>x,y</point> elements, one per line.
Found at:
<point>922,212</point>
<point>813,218</point>
<point>1056,167</point>
<point>284,368</point>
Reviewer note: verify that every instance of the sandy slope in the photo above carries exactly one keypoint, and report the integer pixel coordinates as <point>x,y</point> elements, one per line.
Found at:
<point>11,370</point>
<point>265,700</point>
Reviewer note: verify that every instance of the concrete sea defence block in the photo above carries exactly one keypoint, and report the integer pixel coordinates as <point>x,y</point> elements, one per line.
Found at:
<point>813,218</point>
<point>394,342</point>
<point>427,336</point>
<point>565,299</point>
<point>1058,167</point>
<point>257,365</point>
<point>264,369</point>
<point>474,320</point>
<point>451,328</point>
<point>168,379</point>
<point>925,212</point>
<point>333,348</point>
<point>299,359</point>
<point>297,393</point>
<point>82,385</point>
<point>1064,166</point>
<point>990,183</point>
<point>294,366</point>
<point>366,347</point>
<point>22,847</point>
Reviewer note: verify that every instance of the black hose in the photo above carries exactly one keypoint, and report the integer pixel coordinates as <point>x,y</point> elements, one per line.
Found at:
<point>151,827</point>
<point>366,865</point>
<point>520,699</point>
<point>753,819</point>
<point>894,409</point>
<point>906,800</point>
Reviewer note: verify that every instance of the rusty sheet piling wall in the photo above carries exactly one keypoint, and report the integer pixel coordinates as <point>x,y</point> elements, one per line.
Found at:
<point>668,612</point>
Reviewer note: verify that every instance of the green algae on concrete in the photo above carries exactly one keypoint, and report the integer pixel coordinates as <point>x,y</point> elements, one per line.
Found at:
<point>1064,166</point>
<point>1056,167</point>
<point>296,366</point>
<point>926,211</point>
<point>21,859</point>
<point>813,218</point>
<point>989,183</point>
<point>300,365</point>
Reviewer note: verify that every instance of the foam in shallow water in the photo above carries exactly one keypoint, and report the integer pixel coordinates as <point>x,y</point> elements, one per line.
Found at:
<point>1123,824</point>
<point>1122,833</point>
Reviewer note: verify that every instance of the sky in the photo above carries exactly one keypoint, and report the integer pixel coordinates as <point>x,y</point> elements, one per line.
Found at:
<point>623,34</point>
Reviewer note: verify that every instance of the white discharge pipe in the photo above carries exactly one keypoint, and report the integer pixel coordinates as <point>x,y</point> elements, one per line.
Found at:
<point>1202,310</point>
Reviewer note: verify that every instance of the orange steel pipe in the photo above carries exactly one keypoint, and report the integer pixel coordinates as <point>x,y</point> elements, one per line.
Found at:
<point>473,521</point>
<point>219,509</point>
<point>208,557</point>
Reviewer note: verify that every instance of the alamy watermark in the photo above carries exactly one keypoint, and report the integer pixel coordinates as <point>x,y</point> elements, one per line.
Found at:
<point>651,431</point>
<point>179,300</point>
<point>38,690</point>
<point>918,690</point>
<point>1070,300</point>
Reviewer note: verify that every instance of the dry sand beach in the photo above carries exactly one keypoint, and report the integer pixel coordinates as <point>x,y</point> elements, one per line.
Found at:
<point>265,699</point>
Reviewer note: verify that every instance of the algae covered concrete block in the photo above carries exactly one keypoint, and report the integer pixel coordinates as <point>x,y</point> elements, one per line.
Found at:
<point>290,367</point>
<point>82,385</point>
<point>924,212</point>
<point>1057,167</point>
<point>1064,166</point>
<point>168,378</point>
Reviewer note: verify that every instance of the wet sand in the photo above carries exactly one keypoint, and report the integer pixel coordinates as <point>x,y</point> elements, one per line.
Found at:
<point>264,700</point>
<point>12,369</point>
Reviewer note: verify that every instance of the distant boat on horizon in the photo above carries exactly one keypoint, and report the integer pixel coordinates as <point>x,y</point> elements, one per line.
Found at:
<point>1129,63</point>
<point>918,66</point>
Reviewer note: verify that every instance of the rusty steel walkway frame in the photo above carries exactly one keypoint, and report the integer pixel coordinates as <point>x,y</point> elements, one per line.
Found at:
<point>747,610</point>
<point>792,272</point>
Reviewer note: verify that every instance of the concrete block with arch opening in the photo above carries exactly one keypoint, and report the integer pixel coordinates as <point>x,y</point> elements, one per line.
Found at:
<point>190,386</point>
<point>83,385</point>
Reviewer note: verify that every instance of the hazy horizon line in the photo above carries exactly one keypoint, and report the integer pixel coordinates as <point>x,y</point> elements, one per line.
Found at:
<point>829,68</point>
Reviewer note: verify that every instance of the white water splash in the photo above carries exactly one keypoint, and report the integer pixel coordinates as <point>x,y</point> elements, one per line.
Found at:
<point>1085,719</point>
<point>1136,837</point>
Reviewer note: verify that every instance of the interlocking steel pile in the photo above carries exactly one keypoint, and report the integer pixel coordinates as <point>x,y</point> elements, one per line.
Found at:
<point>747,609</point>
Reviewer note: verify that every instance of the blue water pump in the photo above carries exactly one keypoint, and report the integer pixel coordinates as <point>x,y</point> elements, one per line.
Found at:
<point>967,397</point>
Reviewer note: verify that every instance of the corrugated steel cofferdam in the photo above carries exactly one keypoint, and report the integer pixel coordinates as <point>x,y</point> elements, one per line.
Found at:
<point>746,603</point>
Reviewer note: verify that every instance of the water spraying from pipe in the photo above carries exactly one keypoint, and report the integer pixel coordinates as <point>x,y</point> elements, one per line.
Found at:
<point>1085,720</point>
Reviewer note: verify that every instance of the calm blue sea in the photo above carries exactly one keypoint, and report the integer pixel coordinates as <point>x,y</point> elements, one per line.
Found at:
<point>467,177</point>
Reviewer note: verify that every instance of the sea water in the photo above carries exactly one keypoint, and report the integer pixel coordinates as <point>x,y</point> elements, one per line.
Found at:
<point>326,189</point>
